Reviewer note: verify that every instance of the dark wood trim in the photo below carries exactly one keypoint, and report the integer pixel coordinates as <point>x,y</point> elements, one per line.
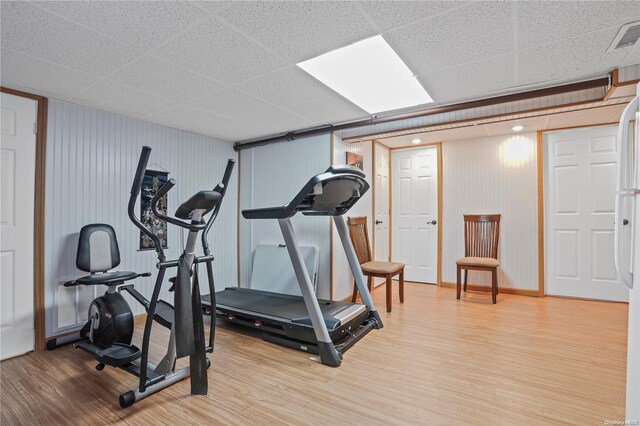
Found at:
<point>20,93</point>
<point>612,86</point>
<point>39,215</point>
<point>374,170</point>
<point>439,162</point>
<point>39,225</point>
<point>540,171</point>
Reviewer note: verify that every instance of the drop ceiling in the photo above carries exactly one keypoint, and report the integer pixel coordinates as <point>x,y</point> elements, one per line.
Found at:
<point>227,69</point>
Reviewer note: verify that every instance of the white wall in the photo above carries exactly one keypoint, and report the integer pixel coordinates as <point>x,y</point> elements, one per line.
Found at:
<point>342,277</point>
<point>478,179</point>
<point>272,175</point>
<point>91,159</point>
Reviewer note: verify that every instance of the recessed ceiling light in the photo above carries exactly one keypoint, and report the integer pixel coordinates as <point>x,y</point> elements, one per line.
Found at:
<point>517,128</point>
<point>416,141</point>
<point>370,74</point>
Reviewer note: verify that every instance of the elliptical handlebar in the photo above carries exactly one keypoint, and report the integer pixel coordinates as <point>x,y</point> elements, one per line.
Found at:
<point>222,189</point>
<point>135,191</point>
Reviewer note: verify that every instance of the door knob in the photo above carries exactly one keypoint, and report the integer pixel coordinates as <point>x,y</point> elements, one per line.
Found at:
<point>434,222</point>
<point>378,222</point>
<point>625,221</point>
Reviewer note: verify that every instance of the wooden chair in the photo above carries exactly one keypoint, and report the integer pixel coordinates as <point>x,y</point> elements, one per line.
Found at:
<point>481,234</point>
<point>360,239</point>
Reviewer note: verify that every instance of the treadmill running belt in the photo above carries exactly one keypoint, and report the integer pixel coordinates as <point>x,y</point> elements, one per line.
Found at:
<point>277,305</point>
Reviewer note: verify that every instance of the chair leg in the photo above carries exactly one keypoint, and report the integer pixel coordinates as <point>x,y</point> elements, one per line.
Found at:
<point>354,296</point>
<point>401,286</point>
<point>370,283</point>
<point>494,285</point>
<point>458,282</point>
<point>389,293</point>
<point>465,280</point>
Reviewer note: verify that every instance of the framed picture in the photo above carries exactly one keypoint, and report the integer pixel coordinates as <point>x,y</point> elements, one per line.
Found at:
<point>151,183</point>
<point>354,159</point>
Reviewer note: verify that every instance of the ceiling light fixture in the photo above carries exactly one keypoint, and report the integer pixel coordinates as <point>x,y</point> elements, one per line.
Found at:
<point>416,141</point>
<point>370,74</point>
<point>517,128</point>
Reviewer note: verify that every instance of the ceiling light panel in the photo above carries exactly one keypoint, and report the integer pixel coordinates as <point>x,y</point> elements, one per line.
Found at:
<point>370,74</point>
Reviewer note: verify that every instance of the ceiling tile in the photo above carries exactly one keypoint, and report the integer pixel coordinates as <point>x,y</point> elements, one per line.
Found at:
<point>116,97</point>
<point>300,30</point>
<point>197,120</point>
<point>214,50</point>
<point>153,75</point>
<point>213,5</point>
<point>329,110</point>
<point>289,86</point>
<point>546,21</point>
<point>37,33</point>
<point>250,111</point>
<point>32,73</point>
<point>469,34</point>
<point>566,59</point>
<point>470,80</point>
<point>142,24</point>
<point>391,14</point>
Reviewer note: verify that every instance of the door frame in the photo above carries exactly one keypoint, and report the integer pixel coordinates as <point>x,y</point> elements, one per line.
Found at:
<point>541,198</point>
<point>39,214</point>
<point>438,146</point>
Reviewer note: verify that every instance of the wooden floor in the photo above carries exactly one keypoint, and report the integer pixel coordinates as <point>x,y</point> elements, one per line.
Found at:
<point>437,361</point>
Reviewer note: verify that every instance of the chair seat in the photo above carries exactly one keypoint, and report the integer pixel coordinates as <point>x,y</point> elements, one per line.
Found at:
<point>376,267</point>
<point>487,262</point>
<point>105,279</point>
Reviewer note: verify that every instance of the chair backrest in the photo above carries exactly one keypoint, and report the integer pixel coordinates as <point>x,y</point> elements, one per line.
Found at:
<point>360,238</point>
<point>481,235</point>
<point>97,248</point>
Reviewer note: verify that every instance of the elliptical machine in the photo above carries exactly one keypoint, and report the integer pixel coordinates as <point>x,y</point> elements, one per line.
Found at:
<point>108,333</point>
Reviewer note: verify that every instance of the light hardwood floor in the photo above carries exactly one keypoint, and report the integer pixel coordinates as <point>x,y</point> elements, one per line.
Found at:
<point>437,361</point>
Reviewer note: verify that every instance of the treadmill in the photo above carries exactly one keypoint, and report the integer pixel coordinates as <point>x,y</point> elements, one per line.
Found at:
<point>321,327</point>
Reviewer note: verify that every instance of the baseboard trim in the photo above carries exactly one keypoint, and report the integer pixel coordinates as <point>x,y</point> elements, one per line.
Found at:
<point>486,288</point>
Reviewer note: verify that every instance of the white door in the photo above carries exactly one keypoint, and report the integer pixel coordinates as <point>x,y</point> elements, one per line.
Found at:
<point>415,213</point>
<point>381,220</point>
<point>17,180</point>
<point>580,186</point>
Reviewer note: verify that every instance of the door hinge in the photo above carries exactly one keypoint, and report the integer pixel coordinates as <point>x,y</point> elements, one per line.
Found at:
<point>35,128</point>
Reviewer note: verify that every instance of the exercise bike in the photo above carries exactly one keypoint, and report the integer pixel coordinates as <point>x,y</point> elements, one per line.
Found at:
<point>108,333</point>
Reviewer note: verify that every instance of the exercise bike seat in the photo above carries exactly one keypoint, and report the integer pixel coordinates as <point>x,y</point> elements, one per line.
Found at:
<point>107,278</point>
